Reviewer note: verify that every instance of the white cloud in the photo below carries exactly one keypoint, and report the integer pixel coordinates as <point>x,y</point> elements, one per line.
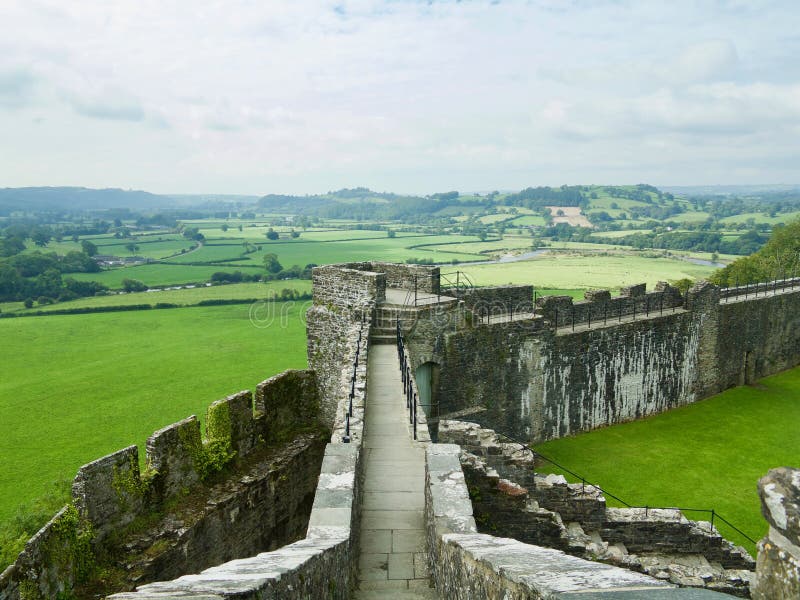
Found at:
<point>300,96</point>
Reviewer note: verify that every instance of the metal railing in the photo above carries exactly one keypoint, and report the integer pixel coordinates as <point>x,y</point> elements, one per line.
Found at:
<point>409,386</point>
<point>715,516</point>
<point>604,312</point>
<point>349,413</point>
<point>457,282</point>
<point>759,287</point>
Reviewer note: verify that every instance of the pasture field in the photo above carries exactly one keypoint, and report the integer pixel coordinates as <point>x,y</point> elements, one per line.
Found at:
<point>398,249</point>
<point>567,271</point>
<point>527,220</point>
<point>691,216</point>
<point>78,387</point>
<point>620,234</point>
<point>762,218</point>
<point>158,274</point>
<point>487,247</point>
<point>709,454</point>
<point>182,297</point>
<point>495,218</point>
<point>213,251</point>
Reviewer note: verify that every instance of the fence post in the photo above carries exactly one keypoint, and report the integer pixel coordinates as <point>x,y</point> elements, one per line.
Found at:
<point>346,436</point>
<point>415,416</point>
<point>590,316</point>
<point>712,519</point>
<point>573,318</point>
<point>556,324</point>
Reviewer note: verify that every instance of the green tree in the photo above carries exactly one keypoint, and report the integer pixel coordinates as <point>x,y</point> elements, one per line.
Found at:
<point>89,248</point>
<point>391,233</point>
<point>224,227</point>
<point>132,248</point>
<point>272,234</point>
<point>133,285</point>
<point>271,263</point>
<point>41,236</point>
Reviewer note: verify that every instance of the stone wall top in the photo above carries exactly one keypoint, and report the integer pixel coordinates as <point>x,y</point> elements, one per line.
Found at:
<point>466,564</point>
<point>324,563</point>
<point>780,501</point>
<point>347,285</point>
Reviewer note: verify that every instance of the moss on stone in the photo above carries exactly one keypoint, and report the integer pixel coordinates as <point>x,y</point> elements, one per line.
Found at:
<point>70,546</point>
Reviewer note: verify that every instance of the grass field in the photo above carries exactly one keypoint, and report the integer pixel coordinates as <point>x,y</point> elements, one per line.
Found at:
<point>706,455</point>
<point>184,297</point>
<point>157,274</point>
<point>568,271</point>
<point>83,386</point>
<point>489,247</point>
<point>527,220</point>
<point>762,218</point>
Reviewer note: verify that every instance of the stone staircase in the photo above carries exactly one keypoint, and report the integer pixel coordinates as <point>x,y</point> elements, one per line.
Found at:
<point>397,306</point>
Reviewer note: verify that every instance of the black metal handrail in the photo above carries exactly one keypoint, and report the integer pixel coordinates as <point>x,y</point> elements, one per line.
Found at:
<point>748,289</point>
<point>584,482</point>
<point>458,281</point>
<point>409,387</point>
<point>349,412</point>
<point>606,312</point>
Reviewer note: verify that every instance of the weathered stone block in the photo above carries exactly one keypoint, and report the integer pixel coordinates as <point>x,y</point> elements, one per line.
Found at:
<point>171,454</point>
<point>231,420</point>
<point>109,491</point>
<point>288,402</point>
<point>597,295</point>
<point>633,291</point>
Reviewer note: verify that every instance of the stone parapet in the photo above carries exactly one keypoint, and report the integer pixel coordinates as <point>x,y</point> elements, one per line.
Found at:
<point>499,300</point>
<point>110,494</point>
<point>778,567</point>
<point>324,563</point>
<point>465,564</point>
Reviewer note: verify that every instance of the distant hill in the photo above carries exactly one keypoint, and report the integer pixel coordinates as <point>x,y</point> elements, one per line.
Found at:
<point>729,190</point>
<point>76,198</point>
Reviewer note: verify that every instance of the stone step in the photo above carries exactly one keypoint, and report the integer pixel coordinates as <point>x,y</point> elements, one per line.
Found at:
<point>382,339</point>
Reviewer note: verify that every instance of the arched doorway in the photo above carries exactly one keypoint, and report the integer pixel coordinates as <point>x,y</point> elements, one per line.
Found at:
<point>427,376</point>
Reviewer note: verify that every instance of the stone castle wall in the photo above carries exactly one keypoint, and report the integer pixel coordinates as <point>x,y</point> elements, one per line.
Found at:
<point>262,501</point>
<point>323,564</point>
<point>580,365</point>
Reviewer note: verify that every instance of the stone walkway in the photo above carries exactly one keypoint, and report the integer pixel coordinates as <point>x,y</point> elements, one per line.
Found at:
<point>393,562</point>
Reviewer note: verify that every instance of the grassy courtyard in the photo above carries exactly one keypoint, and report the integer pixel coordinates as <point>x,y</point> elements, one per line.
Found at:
<point>706,455</point>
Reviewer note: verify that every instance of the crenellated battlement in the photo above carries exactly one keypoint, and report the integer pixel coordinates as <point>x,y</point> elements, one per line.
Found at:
<point>269,450</point>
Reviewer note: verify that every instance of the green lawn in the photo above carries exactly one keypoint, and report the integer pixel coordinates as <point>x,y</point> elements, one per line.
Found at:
<point>213,251</point>
<point>157,274</point>
<point>183,297</point>
<point>489,247</point>
<point>620,234</point>
<point>527,220</point>
<point>77,387</point>
<point>490,219</point>
<point>706,455</point>
<point>762,218</point>
<point>569,271</point>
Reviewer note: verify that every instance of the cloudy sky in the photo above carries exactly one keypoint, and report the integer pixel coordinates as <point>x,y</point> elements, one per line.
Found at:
<point>304,96</point>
